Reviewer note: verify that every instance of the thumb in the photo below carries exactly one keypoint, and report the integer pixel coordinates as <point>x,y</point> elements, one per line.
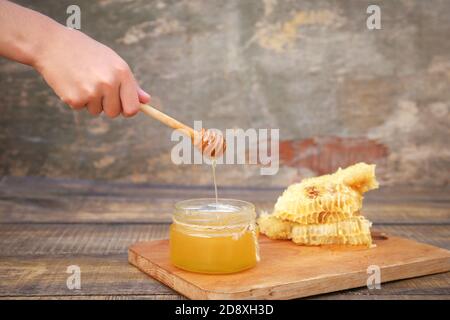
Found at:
<point>143,96</point>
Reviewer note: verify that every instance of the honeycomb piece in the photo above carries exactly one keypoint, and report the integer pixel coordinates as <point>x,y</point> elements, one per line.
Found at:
<point>310,202</point>
<point>360,176</point>
<point>274,228</point>
<point>353,231</point>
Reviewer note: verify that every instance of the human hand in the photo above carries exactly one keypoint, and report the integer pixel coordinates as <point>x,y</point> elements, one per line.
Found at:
<point>86,73</point>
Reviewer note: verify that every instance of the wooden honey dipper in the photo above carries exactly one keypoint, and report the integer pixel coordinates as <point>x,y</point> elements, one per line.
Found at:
<point>208,141</point>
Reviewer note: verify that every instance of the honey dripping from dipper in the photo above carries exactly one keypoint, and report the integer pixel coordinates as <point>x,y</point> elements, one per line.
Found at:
<point>213,145</point>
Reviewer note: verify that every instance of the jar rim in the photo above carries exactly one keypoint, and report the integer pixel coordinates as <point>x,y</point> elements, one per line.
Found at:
<point>193,212</point>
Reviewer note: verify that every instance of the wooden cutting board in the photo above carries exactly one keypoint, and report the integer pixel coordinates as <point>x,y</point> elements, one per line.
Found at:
<point>290,271</point>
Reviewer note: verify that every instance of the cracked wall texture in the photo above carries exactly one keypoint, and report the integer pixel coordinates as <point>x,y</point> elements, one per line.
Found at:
<point>338,92</point>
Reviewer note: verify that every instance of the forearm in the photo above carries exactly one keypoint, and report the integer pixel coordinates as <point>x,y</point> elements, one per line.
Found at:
<point>24,33</point>
<point>92,77</point>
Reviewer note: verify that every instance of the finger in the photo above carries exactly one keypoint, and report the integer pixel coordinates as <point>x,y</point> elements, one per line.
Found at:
<point>129,97</point>
<point>95,106</point>
<point>143,96</point>
<point>111,102</point>
<point>75,103</point>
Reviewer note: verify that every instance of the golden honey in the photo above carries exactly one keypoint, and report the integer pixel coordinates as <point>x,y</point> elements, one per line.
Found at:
<point>214,237</point>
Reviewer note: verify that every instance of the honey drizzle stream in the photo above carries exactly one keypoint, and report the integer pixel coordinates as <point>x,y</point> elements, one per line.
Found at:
<point>213,165</point>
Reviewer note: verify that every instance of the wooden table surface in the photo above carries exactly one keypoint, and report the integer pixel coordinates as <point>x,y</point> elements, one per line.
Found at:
<point>47,225</point>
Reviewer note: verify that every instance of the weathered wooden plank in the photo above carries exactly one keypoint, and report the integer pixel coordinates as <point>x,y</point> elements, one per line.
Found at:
<point>438,235</point>
<point>438,284</point>
<point>107,275</point>
<point>109,210</point>
<point>407,213</point>
<point>86,239</point>
<point>10,185</point>
<point>79,239</point>
<point>61,201</point>
<point>86,188</point>
<point>111,277</point>
<point>84,209</point>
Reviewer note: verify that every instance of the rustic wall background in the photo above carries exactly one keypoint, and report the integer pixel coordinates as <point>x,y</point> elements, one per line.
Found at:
<point>338,92</point>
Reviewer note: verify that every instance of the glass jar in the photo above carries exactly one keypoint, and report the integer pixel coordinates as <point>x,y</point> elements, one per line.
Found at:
<point>210,237</point>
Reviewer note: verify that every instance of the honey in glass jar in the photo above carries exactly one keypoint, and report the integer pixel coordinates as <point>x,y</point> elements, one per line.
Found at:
<point>214,237</point>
